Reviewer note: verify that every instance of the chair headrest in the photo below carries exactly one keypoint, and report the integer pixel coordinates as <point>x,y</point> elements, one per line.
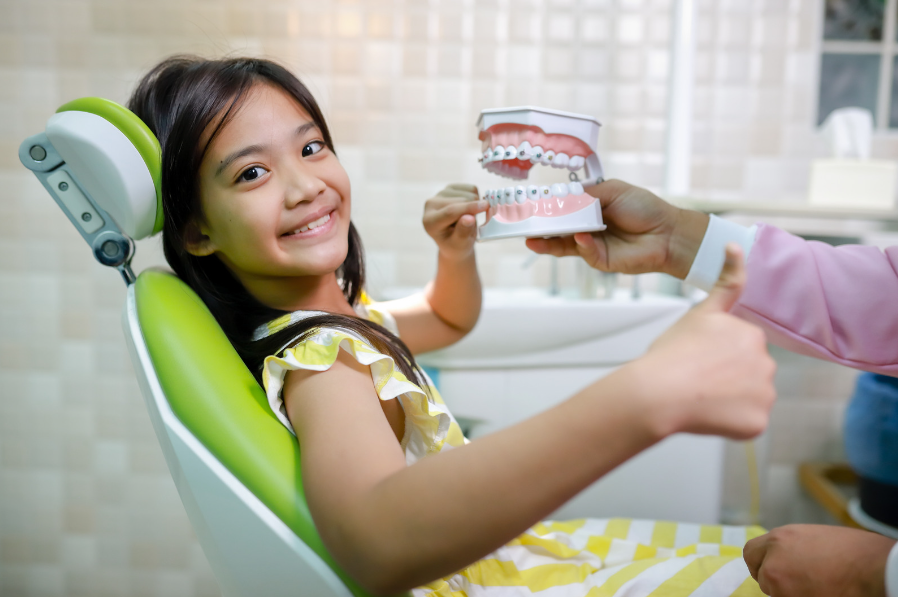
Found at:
<point>117,159</point>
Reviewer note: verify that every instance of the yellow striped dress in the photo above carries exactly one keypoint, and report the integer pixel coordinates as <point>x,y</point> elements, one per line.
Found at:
<point>579,558</point>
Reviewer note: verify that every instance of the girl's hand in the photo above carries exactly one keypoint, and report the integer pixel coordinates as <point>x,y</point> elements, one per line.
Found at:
<point>710,373</point>
<point>645,234</point>
<point>449,218</point>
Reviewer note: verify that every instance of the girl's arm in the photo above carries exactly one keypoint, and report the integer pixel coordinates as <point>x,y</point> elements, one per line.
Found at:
<point>450,305</point>
<point>394,527</point>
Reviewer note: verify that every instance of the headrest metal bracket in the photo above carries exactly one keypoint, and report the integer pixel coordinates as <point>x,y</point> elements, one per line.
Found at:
<point>111,247</point>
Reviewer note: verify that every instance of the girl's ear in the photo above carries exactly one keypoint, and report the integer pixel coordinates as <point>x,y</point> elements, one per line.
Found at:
<point>196,243</point>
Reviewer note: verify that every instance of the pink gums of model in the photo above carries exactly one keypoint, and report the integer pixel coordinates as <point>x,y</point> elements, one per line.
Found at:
<point>515,140</point>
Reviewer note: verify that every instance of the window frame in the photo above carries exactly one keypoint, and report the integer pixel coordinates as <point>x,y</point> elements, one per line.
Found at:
<point>887,49</point>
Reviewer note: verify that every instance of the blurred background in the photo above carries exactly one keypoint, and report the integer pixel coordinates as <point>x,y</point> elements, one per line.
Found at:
<point>87,506</point>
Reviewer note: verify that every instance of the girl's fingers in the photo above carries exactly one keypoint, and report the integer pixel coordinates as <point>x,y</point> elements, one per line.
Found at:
<point>472,192</point>
<point>459,186</point>
<point>728,289</point>
<point>453,196</point>
<point>449,214</point>
<point>467,223</point>
<point>465,228</point>
<point>464,191</point>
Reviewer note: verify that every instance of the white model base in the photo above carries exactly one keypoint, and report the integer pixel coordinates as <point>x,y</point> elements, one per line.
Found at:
<point>588,219</point>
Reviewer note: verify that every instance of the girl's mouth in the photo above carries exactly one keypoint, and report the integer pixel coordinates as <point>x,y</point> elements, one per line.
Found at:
<point>313,228</point>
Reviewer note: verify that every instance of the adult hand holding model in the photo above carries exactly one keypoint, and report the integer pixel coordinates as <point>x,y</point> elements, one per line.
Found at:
<point>645,234</point>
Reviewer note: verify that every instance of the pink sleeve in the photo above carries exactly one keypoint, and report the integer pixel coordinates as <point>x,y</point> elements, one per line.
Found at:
<point>834,303</point>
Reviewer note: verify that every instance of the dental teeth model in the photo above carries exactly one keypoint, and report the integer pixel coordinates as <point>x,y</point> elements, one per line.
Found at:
<point>515,140</point>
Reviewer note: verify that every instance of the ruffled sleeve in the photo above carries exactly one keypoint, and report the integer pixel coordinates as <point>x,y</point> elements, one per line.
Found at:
<point>429,428</point>
<point>372,311</point>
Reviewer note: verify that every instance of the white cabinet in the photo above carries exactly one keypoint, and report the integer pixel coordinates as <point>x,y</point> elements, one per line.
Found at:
<point>529,353</point>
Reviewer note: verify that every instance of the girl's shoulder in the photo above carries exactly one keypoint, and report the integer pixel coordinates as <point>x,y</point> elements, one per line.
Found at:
<point>373,312</point>
<point>430,427</point>
<point>319,349</point>
<point>366,309</point>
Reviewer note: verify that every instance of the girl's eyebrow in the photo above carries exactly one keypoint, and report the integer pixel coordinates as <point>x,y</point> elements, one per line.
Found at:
<point>250,149</point>
<point>237,155</point>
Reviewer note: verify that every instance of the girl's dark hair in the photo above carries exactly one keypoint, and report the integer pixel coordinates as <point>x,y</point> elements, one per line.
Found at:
<point>178,100</point>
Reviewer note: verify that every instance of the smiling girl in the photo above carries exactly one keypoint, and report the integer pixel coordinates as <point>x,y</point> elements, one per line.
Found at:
<point>257,221</point>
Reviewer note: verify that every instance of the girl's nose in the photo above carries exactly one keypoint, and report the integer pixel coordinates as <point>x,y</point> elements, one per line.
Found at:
<point>302,186</point>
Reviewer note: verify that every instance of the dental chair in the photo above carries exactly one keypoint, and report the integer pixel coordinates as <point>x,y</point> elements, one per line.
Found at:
<point>236,468</point>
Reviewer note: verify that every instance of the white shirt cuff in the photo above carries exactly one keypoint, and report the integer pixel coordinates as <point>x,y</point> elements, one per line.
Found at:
<point>708,262</point>
<point>892,573</point>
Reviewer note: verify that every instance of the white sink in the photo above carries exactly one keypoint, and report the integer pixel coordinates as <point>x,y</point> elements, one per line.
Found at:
<point>527,327</point>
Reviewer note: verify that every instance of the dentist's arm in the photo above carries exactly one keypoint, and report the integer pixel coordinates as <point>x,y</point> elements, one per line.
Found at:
<point>835,303</point>
<point>450,305</point>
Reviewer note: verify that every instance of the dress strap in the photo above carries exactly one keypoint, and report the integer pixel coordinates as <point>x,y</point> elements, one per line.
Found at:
<point>276,325</point>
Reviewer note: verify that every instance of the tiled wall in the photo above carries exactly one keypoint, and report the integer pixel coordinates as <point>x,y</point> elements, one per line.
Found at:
<point>86,504</point>
<point>755,106</point>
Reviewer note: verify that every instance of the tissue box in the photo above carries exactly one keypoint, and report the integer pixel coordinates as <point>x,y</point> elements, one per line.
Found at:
<point>847,183</point>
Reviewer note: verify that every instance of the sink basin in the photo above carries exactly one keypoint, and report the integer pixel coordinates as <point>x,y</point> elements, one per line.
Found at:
<point>527,327</point>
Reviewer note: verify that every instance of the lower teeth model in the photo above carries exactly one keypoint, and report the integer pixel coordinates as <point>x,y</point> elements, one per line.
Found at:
<point>515,140</point>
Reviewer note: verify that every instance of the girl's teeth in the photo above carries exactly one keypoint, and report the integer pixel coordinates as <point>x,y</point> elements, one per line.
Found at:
<point>315,224</point>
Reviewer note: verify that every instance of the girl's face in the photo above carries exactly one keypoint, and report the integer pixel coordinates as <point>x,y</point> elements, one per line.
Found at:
<point>275,199</point>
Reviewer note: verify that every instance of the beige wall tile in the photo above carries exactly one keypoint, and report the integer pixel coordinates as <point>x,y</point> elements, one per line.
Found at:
<point>401,83</point>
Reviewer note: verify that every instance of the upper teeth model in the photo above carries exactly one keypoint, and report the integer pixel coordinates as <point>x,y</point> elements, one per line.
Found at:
<point>515,140</point>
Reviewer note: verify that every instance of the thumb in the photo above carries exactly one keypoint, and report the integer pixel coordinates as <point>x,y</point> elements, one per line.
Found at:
<point>590,249</point>
<point>729,285</point>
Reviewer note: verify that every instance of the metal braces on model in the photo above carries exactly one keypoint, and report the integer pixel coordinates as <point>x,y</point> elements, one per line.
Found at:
<point>516,139</point>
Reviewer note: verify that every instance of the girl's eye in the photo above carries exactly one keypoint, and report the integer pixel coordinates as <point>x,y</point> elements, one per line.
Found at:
<point>251,174</point>
<point>312,148</point>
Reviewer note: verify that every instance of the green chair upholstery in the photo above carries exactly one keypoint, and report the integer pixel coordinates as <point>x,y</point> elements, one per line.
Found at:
<point>216,397</point>
<point>112,162</point>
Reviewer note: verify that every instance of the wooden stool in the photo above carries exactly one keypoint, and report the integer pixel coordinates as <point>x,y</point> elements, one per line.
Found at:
<point>821,481</point>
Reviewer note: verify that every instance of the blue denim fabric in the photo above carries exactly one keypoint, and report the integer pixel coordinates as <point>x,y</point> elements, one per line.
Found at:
<point>871,428</point>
